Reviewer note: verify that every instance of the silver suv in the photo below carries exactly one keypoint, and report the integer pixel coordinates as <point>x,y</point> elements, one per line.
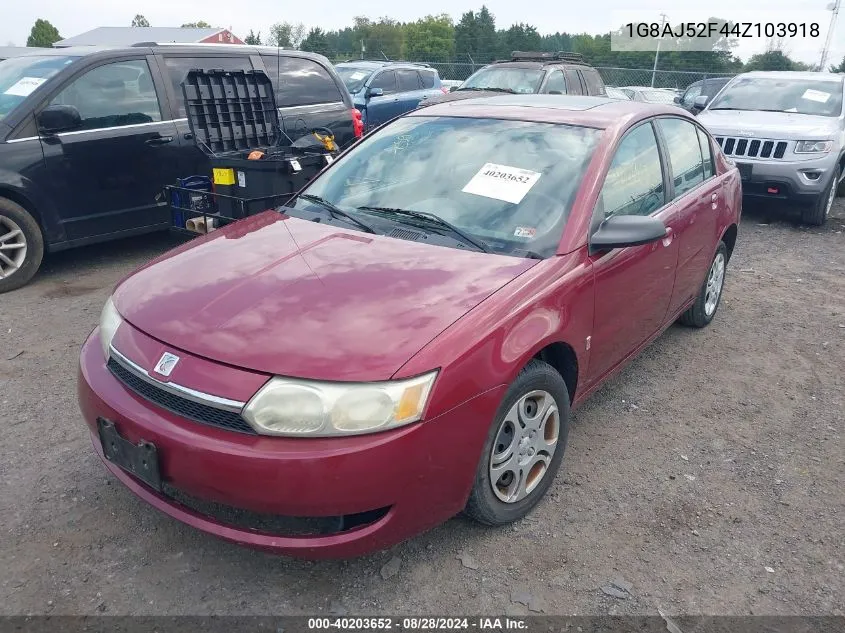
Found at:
<point>786,133</point>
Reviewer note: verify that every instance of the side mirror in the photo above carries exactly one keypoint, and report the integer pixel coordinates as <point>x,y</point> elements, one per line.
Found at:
<point>555,92</point>
<point>701,102</point>
<point>375,92</point>
<point>677,99</point>
<point>620,231</point>
<point>59,118</point>
<point>453,88</point>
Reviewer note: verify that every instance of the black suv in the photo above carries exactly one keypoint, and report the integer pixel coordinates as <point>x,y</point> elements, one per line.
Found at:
<point>90,136</point>
<point>527,73</point>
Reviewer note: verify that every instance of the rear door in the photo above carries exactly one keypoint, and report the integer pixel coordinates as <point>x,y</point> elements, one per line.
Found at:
<point>309,96</point>
<point>410,90</point>
<point>193,161</point>
<point>381,109</point>
<point>108,174</point>
<point>697,199</point>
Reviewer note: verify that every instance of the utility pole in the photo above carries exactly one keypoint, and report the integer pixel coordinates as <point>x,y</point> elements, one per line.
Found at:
<point>663,18</point>
<point>833,6</point>
<point>363,50</point>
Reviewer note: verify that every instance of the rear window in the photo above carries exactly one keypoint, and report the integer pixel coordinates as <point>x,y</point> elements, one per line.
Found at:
<point>428,78</point>
<point>300,81</point>
<point>178,67</point>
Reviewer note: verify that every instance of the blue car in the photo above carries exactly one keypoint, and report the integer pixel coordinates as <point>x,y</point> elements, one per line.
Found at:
<point>382,90</point>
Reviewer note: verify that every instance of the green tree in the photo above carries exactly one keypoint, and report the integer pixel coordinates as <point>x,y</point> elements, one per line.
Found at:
<point>43,34</point>
<point>432,38</point>
<point>253,39</point>
<point>840,68</point>
<point>140,20</point>
<point>475,35</point>
<point>770,60</point>
<point>286,35</point>
<point>315,42</point>
<point>519,37</point>
<point>197,25</point>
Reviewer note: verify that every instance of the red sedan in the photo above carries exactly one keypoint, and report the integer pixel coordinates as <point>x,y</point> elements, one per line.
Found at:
<point>406,339</point>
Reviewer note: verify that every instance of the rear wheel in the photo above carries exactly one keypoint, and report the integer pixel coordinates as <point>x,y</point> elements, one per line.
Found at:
<point>524,447</point>
<point>817,214</point>
<point>21,246</point>
<point>706,303</point>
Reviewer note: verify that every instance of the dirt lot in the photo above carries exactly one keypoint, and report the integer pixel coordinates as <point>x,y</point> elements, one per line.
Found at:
<point>708,478</point>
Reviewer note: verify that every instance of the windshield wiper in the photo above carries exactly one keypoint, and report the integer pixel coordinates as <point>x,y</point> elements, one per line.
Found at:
<point>335,211</point>
<point>508,90</point>
<point>435,219</point>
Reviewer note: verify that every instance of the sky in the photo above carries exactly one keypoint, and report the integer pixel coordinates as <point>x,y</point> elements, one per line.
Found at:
<point>548,16</point>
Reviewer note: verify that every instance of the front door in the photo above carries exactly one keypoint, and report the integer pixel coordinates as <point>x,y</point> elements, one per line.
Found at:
<point>633,286</point>
<point>383,108</point>
<point>107,176</point>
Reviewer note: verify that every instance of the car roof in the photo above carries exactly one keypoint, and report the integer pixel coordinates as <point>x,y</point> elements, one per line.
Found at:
<point>537,64</point>
<point>239,49</point>
<point>374,64</point>
<point>793,74</point>
<point>597,112</point>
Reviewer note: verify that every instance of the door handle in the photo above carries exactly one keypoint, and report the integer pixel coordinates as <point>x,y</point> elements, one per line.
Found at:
<point>667,239</point>
<point>714,197</point>
<point>159,140</point>
<point>187,136</point>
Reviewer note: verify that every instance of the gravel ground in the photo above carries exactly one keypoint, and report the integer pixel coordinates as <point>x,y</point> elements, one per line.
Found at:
<point>708,478</point>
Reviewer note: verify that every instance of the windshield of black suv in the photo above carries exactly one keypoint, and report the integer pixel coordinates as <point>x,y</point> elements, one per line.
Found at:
<point>509,79</point>
<point>507,184</point>
<point>19,76</point>
<point>354,76</point>
<point>776,94</point>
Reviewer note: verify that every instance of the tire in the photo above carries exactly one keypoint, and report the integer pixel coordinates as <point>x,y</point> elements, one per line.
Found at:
<point>538,384</point>
<point>704,309</point>
<point>840,189</point>
<point>816,215</point>
<point>19,233</point>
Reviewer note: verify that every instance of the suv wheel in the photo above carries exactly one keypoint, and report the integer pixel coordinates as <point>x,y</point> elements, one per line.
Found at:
<point>817,214</point>
<point>21,246</point>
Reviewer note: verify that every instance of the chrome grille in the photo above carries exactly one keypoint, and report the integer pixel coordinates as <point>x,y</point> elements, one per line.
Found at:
<point>137,380</point>
<point>751,148</point>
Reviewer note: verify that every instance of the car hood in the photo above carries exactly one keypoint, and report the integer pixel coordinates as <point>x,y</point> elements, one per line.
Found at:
<point>775,125</point>
<point>291,297</point>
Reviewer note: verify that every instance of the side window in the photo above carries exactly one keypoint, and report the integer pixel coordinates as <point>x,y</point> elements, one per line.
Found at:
<point>427,78</point>
<point>300,81</point>
<point>556,83</point>
<point>386,81</point>
<point>178,67</point>
<point>595,86</point>
<point>407,80</point>
<point>117,94</point>
<point>706,153</point>
<point>634,182</point>
<point>690,95</point>
<point>684,154</point>
<point>573,82</point>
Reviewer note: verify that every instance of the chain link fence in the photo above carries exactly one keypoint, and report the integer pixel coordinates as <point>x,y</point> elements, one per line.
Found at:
<point>675,79</point>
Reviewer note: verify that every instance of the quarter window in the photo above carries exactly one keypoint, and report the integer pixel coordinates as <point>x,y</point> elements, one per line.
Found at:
<point>594,84</point>
<point>427,77</point>
<point>300,81</point>
<point>634,182</point>
<point>408,80</point>
<point>113,95</point>
<point>684,154</point>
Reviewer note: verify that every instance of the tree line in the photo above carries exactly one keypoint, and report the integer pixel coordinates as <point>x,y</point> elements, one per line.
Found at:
<point>475,38</point>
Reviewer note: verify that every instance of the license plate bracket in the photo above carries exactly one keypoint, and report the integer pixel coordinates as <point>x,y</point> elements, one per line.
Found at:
<point>140,460</point>
<point>745,170</point>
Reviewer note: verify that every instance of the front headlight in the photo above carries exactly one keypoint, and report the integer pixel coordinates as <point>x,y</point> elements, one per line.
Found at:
<point>813,147</point>
<point>109,322</point>
<point>288,406</point>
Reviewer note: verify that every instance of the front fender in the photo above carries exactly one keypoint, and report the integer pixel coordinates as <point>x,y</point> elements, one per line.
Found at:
<point>23,188</point>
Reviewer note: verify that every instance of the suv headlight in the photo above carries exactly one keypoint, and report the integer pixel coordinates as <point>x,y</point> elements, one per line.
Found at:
<point>288,406</point>
<point>813,147</point>
<point>110,320</point>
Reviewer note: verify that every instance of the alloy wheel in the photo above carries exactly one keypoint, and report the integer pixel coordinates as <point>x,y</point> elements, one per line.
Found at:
<point>715,281</point>
<point>12,247</point>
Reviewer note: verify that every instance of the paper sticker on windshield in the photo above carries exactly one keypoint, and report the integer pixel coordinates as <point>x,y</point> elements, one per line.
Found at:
<point>24,86</point>
<point>527,232</point>
<point>502,182</point>
<point>816,95</point>
<point>357,75</point>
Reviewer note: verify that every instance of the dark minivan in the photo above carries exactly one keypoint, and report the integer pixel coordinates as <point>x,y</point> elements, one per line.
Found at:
<point>90,136</point>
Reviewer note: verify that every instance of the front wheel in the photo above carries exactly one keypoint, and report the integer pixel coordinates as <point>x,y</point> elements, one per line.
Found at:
<point>524,447</point>
<point>817,214</point>
<point>704,309</point>
<point>21,246</point>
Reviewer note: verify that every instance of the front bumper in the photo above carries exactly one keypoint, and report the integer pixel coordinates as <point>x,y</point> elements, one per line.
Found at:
<point>799,181</point>
<point>418,476</point>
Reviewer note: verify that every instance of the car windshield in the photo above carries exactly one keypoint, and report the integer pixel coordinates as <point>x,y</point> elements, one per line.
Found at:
<point>19,76</point>
<point>778,94</point>
<point>354,77</point>
<point>519,80</point>
<point>657,96</point>
<point>510,184</point>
